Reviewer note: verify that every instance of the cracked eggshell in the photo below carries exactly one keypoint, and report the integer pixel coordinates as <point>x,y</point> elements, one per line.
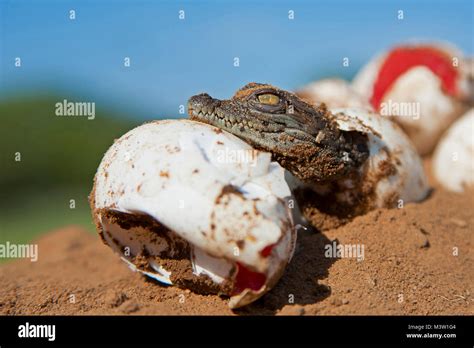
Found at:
<point>392,172</point>
<point>189,204</point>
<point>453,159</point>
<point>417,98</point>
<point>335,93</point>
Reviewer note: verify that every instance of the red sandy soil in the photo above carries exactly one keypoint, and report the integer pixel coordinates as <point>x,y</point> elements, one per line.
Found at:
<point>409,268</point>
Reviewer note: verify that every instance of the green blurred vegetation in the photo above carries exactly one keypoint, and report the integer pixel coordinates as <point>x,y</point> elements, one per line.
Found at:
<point>59,157</point>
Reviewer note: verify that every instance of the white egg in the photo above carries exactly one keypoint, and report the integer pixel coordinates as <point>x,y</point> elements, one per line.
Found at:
<point>179,192</point>
<point>417,99</point>
<point>453,159</point>
<point>392,175</point>
<point>335,93</point>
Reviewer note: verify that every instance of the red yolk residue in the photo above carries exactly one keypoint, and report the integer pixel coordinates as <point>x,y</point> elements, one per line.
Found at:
<point>265,252</point>
<point>247,279</point>
<point>402,59</point>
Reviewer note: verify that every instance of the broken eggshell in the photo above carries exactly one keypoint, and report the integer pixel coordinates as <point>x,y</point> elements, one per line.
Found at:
<point>453,159</point>
<point>189,204</point>
<point>393,173</point>
<point>335,93</point>
<point>424,87</point>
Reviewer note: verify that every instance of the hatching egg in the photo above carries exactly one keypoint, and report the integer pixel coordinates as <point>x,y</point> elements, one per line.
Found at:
<point>392,175</point>
<point>190,205</point>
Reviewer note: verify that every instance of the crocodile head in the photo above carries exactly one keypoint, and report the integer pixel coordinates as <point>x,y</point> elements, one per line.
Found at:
<point>303,138</point>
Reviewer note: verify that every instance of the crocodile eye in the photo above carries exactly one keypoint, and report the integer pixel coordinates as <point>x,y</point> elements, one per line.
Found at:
<point>269,99</point>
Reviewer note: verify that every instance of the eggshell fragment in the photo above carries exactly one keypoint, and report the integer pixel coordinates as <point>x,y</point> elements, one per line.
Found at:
<point>335,93</point>
<point>392,175</point>
<point>189,204</point>
<point>425,97</point>
<point>453,159</point>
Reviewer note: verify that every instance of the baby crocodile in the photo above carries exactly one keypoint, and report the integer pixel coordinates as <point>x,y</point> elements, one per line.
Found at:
<point>303,138</point>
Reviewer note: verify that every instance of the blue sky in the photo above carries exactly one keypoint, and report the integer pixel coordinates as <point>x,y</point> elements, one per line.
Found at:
<point>172,59</point>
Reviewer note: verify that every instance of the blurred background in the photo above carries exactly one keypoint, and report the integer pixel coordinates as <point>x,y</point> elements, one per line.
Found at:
<point>141,60</point>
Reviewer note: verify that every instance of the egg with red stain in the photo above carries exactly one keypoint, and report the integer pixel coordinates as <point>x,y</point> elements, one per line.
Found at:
<point>190,205</point>
<point>424,87</point>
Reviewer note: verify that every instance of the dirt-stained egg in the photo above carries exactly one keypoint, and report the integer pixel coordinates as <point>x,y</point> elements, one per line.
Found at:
<point>334,92</point>
<point>191,205</point>
<point>424,87</point>
<point>453,159</point>
<point>392,176</point>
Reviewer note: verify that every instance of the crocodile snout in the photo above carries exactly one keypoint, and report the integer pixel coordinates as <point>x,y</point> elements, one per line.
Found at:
<point>200,103</point>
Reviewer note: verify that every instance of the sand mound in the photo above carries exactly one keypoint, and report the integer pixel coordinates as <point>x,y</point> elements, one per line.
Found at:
<point>417,260</point>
